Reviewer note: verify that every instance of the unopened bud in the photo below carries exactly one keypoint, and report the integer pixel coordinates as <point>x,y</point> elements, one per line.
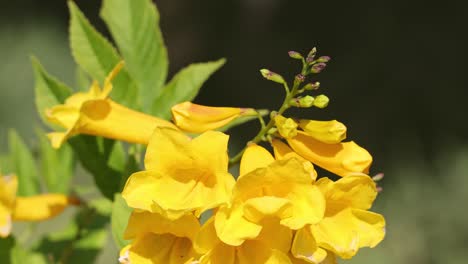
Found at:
<point>321,101</point>
<point>269,75</point>
<point>379,189</point>
<point>317,68</point>
<point>273,114</point>
<point>311,55</point>
<point>295,55</point>
<point>311,86</point>
<point>287,127</point>
<point>378,177</point>
<point>306,101</point>
<point>299,78</point>
<point>324,59</point>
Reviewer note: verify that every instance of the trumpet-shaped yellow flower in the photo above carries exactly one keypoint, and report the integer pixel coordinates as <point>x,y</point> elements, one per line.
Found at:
<point>343,159</point>
<point>287,127</point>
<point>282,190</point>
<point>347,225</point>
<point>330,132</point>
<point>32,208</point>
<point>182,174</point>
<point>269,247</point>
<point>196,118</point>
<point>92,113</point>
<point>159,240</point>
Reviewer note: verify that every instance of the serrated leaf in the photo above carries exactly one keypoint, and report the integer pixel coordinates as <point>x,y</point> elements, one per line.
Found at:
<point>82,79</point>
<point>119,219</point>
<point>135,28</point>
<point>95,157</point>
<point>243,119</point>
<point>48,90</point>
<point>184,86</point>
<point>57,165</point>
<point>23,165</point>
<point>96,56</point>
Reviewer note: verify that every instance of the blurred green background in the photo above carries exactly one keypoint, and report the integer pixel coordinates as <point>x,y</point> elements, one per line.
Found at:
<point>397,80</point>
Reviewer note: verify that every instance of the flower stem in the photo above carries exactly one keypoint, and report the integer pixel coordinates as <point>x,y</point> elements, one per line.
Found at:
<point>261,135</point>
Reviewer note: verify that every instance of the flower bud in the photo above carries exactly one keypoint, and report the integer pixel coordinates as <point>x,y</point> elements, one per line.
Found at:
<point>295,55</point>
<point>299,78</point>
<point>330,132</point>
<point>317,68</point>
<point>311,86</point>
<point>311,55</point>
<point>269,75</point>
<point>321,101</point>
<point>324,59</point>
<point>378,177</point>
<point>305,102</point>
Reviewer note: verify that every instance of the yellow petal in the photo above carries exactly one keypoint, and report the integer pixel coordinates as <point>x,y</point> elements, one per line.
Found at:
<point>283,151</point>
<point>232,228</point>
<point>305,247</point>
<point>124,255</point>
<point>196,118</point>
<point>357,191</point>
<point>253,158</point>
<point>8,188</point>
<point>287,127</point>
<point>330,259</point>
<point>308,207</point>
<point>330,132</point>
<point>342,159</point>
<point>256,252</point>
<point>256,209</point>
<point>206,239</point>
<point>348,230</point>
<point>146,222</point>
<point>111,120</point>
<point>275,236</point>
<point>5,221</point>
<point>220,254</point>
<point>161,249</point>
<point>108,81</point>
<point>41,207</point>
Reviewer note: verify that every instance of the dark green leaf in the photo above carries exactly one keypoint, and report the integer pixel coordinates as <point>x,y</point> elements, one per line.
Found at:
<point>95,158</point>
<point>119,219</point>
<point>49,91</point>
<point>184,86</point>
<point>135,28</point>
<point>24,166</point>
<point>57,165</point>
<point>98,57</point>
<point>6,246</point>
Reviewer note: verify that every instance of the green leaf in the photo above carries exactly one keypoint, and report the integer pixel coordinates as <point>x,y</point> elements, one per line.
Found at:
<point>184,86</point>
<point>6,246</point>
<point>21,255</point>
<point>119,219</point>
<point>243,119</point>
<point>24,166</point>
<point>49,91</point>
<point>98,57</point>
<point>82,79</point>
<point>135,28</point>
<point>57,165</point>
<point>95,158</point>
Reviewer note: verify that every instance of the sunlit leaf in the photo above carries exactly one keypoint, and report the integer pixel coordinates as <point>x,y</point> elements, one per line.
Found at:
<point>135,28</point>
<point>97,57</point>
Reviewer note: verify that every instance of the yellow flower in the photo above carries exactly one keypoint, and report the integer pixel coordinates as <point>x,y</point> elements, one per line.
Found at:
<point>287,127</point>
<point>158,240</point>
<point>330,132</point>
<point>32,208</point>
<point>267,188</point>
<point>182,174</point>
<point>347,225</point>
<point>343,159</point>
<point>196,118</point>
<point>329,259</point>
<point>269,247</point>
<point>92,113</point>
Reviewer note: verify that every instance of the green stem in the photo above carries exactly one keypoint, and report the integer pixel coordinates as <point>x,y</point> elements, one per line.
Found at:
<point>264,131</point>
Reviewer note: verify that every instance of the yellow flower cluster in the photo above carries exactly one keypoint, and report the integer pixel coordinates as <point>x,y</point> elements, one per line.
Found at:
<point>276,211</point>
<point>31,208</point>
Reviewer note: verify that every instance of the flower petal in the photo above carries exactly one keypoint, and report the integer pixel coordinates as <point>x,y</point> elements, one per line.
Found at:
<point>330,132</point>
<point>348,230</point>
<point>232,228</point>
<point>253,158</point>
<point>305,247</point>
<point>41,207</point>
<point>343,159</point>
<point>283,151</point>
<point>308,207</point>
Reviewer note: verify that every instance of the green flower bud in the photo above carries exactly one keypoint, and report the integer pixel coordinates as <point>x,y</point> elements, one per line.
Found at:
<point>311,55</point>
<point>311,86</point>
<point>321,101</point>
<point>269,75</point>
<point>324,59</point>
<point>295,55</point>
<point>306,101</point>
